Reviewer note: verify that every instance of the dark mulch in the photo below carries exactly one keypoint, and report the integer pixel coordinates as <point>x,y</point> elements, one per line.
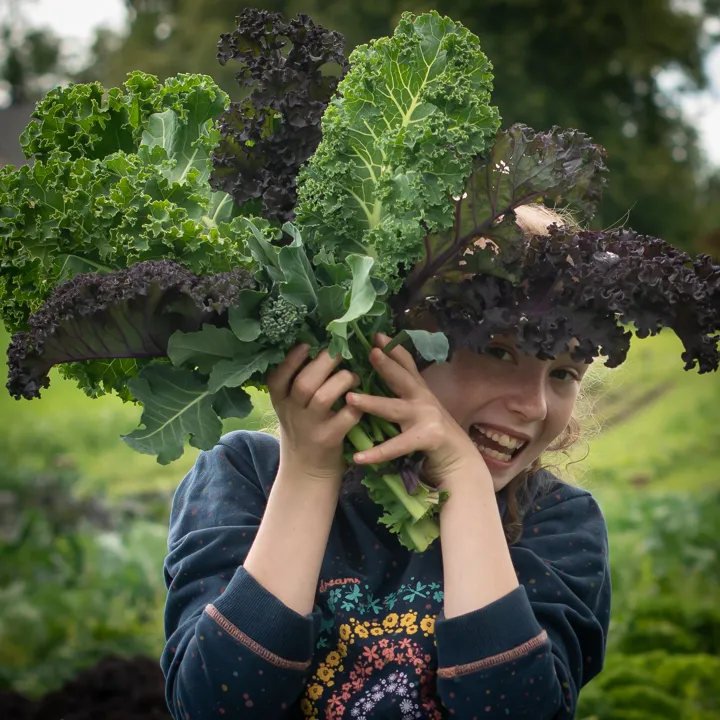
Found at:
<point>114,689</point>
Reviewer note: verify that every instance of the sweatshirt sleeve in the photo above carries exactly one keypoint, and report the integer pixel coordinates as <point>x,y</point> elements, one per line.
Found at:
<point>528,653</point>
<point>231,648</point>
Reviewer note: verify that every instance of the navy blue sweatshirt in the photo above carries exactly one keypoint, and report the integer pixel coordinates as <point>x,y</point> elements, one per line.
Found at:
<point>377,644</point>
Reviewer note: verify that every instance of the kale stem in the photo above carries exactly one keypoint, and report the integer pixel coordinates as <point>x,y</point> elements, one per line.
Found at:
<point>412,505</point>
<point>387,427</point>
<point>401,337</point>
<point>377,428</point>
<point>360,440</point>
<point>422,533</point>
<point>360,336</point>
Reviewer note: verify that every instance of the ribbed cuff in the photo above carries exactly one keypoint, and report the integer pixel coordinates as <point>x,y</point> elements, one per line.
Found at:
<point>498,627</point>
<point>266,620</point>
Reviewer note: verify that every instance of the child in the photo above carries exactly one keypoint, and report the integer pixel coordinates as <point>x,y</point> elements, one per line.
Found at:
<point>287,598</point>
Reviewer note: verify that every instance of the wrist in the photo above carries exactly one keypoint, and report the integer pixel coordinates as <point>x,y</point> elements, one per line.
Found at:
<point>290,472</point>
<point>471,472</point>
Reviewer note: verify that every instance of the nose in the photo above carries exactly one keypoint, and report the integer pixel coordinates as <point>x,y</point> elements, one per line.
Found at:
<point>528,398</point>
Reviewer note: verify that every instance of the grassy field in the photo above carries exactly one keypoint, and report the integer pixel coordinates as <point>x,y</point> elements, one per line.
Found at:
<point>659,426</point>
<point>660,429</point>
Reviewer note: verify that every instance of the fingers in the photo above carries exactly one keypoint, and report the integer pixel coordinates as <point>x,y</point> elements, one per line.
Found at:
<point>332,390</point>
<point>398,353</point>
<point>280,380</point>
<point>344,421</point>
<point>311,378</point>
<point>402,382</point>
<point>392,409</point>
<point>396,447</point>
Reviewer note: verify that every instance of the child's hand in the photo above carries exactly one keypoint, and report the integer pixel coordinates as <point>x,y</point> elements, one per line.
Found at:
<point>311,433</point>
<point>426,425</point>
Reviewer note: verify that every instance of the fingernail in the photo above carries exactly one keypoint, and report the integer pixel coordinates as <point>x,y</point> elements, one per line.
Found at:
<point>359,457</point>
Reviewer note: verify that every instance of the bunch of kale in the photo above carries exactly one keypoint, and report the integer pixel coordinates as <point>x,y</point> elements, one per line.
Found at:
<point>342,207</point>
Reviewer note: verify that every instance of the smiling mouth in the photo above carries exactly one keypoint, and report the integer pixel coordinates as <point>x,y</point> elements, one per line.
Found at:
<point>497,446</point>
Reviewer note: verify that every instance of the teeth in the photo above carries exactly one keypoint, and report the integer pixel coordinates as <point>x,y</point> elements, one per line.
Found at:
<point>503,457</point>
<point>504,440</point>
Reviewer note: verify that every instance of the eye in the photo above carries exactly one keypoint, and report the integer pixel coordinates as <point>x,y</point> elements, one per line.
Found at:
<point>500,353</point>
<point>565,375</point>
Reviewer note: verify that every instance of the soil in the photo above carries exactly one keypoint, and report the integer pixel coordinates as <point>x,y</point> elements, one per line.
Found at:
<point>114,689</point>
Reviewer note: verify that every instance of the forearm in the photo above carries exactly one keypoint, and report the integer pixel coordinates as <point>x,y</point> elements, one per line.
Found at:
<point>477,568</point>
<point>287,553</point>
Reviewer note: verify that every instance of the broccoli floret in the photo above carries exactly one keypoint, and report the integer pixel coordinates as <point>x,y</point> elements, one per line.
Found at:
<point>281,321</point>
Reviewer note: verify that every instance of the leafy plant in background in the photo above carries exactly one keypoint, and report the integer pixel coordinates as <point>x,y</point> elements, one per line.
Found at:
<point>664,648</point>
<point>76,582</point>
<point>404,212</point>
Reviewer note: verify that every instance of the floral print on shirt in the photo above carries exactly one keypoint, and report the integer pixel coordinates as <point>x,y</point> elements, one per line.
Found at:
<point>345,683</point>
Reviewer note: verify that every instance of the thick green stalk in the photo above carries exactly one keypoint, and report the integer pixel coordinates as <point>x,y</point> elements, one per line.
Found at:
<point>422,533</point>
<point>361,442</point>
<point>417,509</point>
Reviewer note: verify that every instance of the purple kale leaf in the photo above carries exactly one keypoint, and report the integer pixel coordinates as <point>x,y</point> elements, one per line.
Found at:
<point>588,286</point>
<point>128,314</point>
<point>558,166</point>
<point>268,136</point>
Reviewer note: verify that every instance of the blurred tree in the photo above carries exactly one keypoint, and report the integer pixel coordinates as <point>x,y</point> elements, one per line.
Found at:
<point>31,60</point>
<point>593,66</point>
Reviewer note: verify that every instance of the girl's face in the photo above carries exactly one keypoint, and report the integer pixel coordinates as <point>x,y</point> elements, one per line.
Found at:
<point>511,404</point>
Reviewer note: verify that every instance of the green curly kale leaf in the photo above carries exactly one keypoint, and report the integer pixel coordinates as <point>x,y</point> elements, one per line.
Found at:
<point>398,143</point>
<point>117,179</point>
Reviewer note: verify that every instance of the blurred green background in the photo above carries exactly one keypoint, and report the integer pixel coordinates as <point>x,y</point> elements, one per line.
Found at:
<point>83,519</point>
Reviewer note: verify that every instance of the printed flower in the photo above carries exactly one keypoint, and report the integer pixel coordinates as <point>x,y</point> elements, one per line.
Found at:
<point>325,673</point>
<point>333,659</point>
<point>360,631</point>
<point>376,631</point>
<point>342,649</point>
<point>370,653</point>
<point>384,642</point>
<point>306,707</point>
<point>388,653</point>
<point>358,684</point>
<point>411,629</point>
<point>408,619</point>
<point>391,620</point>
<point>404,643</point>
<point>428,624</point>
<point>314,692</point>
<point>345,632</point>
<point>379,664</point>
